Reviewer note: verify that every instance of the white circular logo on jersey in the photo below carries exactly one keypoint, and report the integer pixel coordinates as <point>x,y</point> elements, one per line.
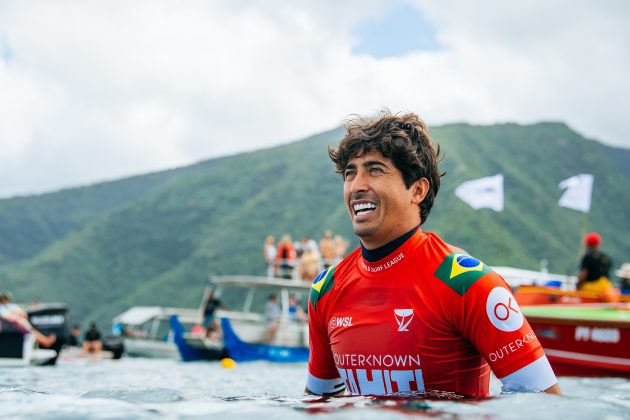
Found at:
<point>503,310</point>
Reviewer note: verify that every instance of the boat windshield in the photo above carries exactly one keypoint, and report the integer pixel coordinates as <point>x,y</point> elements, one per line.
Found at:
<point>254,298</point>
<point>233,297</point>
<point>261,296</point>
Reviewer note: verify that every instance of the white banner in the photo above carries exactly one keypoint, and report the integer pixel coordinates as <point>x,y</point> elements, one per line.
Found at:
<point>482,193</point>
<point>578,192</point>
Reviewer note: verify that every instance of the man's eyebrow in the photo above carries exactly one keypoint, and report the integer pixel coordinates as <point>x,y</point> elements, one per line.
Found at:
<point>368,164</point>
<point>375,163</point>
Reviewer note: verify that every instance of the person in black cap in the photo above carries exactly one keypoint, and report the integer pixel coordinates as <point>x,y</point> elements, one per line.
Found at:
<point>595,268</point>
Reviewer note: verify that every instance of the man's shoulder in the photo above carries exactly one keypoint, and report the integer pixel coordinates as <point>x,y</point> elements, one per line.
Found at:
<point>430,250</point>
<point>327,279</point>
<point>452,265</point>
<point>322,285</point>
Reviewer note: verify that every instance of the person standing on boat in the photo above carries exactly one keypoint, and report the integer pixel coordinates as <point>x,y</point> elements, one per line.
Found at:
<point>269,254</point>
<point>285,258</point>
<point>273,312</point>
<point>18,317</point>
<point>595,268</point>
<point>327,248</point>
<point>210,324</point>
<point>406,313</point>
<point>310,264</point>
<point>624,278</point>
<point>296,313</point>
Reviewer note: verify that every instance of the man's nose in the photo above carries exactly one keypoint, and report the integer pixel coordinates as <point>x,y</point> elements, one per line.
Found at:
<point>360,182</point>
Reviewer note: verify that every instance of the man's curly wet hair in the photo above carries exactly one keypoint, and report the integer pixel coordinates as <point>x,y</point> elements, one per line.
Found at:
<point>402,138</point>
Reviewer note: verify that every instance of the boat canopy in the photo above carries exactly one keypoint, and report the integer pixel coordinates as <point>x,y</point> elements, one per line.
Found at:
<point>139,315</point>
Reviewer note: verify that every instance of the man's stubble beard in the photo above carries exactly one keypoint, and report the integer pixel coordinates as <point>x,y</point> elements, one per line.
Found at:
<point>364,231</point>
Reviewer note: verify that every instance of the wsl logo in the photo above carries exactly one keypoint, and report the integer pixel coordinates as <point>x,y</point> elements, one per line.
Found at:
<point>463,263</point>
<point>340,321</point>
<point>403,318</point>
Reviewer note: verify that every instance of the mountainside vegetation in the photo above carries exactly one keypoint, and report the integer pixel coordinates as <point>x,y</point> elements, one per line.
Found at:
<point>154,239</point>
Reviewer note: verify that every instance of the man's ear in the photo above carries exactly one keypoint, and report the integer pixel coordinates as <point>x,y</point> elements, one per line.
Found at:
<point>420,189</point>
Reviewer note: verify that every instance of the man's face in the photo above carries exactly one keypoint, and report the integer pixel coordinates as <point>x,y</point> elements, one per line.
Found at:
<point>379,204</point>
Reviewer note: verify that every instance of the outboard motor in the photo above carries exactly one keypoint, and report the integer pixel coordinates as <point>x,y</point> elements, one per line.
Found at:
<point>115,344</point>
<point>11,341</point>
<point>51,318</point>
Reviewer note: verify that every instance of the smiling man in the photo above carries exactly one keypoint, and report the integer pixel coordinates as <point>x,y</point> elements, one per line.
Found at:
<point>406,313</point>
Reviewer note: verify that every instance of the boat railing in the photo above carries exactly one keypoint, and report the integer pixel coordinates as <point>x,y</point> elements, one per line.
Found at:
<point>258,280</point>
<point>516,277</point>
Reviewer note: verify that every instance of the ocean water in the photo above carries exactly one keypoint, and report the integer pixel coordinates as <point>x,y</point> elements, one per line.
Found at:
<point>152,388</point>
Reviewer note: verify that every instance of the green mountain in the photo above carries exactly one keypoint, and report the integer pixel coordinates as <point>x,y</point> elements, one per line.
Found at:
<point>154,239</point>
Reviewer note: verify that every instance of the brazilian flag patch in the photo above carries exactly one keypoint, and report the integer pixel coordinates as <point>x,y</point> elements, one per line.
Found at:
<point>460,271</point>
<point>322,285</point>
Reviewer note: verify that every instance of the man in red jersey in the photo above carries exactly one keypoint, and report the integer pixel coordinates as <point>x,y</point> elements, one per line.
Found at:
<point>406,313</point>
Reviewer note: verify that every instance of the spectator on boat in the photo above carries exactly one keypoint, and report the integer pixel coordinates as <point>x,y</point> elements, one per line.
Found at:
<point>327,249</point>
<point>310,243</point>
<point>624,278</point>
<point>285,258</point>
<point>299,249</point>
<point>595,268</point>
<point>341,246</point>
<point>296,313</point>
<point>18,317</point>
<point>310,264</point>
<point>269,254</point>
<point>92,342</point>
<point>406,313</point>
<point>210,325</point>
<point>73,338</point>
<point>273,313</point>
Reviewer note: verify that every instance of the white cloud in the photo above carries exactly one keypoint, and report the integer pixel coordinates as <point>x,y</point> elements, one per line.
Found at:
<point>98,90</point>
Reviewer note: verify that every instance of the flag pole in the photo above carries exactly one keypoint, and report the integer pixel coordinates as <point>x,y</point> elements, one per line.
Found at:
<point>583,230</point>
<point>502,239</point>
<point>577,196</point>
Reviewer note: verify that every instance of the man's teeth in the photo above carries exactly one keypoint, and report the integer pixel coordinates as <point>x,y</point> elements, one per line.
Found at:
<point>363,208</point>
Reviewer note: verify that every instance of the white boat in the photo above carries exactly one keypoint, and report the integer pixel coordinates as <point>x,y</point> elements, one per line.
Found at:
<point>146,330</point>
<point>244,299</point>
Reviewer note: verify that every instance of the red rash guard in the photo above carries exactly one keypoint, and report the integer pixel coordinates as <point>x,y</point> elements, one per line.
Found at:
<point>423,317</point>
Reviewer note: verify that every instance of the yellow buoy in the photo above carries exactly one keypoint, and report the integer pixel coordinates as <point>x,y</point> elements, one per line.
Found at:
<point>228,363</point>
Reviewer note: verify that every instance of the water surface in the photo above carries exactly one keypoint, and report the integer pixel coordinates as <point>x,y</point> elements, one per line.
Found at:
<point>151,389</point>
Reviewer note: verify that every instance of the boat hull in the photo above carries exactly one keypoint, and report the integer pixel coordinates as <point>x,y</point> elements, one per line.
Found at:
<point>139,347</point>
<point>190,350</point>
<point>242,351</point>
<point>583,340</point>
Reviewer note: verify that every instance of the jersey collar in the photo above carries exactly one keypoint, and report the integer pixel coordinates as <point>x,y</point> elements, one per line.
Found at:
<point>372,255</point>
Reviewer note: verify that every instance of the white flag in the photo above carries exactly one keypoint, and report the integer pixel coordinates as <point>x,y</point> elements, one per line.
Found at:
<point>578,192</point>
<point>482,193</point>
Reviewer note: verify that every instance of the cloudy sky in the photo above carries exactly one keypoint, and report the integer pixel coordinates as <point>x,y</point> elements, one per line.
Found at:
<point>98,90</point>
